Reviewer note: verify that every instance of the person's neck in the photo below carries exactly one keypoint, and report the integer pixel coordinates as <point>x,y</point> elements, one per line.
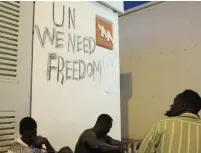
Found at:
<point>97,130</point>
<point>24,141</point>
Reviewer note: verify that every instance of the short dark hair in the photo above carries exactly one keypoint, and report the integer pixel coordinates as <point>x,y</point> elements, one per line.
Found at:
<point>104,119</point>
<point>27,123</point>
<point>191,100</point>
<point>65,150</point>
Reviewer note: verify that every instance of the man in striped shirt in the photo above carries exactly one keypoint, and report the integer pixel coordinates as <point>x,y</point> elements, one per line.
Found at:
<point>181,131</point>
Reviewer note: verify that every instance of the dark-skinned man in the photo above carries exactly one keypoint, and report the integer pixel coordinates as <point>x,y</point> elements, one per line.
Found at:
<point>29,141</point>
<point>181,131</point>
<point>96,140</point>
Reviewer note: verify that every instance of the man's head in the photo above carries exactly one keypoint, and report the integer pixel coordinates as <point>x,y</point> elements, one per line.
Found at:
<point>65,150</point>
<point>187,101</point>
<point>28,130</point>
<point>104,124</point>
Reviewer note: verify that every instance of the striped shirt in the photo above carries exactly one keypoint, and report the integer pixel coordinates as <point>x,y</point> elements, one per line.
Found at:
<point>180,134</point>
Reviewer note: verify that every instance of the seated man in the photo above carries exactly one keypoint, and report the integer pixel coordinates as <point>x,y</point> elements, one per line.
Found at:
<point>29,141</point>
<point>96,140</point>
<point>179,133</point>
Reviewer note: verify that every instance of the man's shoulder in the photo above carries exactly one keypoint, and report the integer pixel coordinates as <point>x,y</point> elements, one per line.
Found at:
<point>163,122</point>
<point>17,147</point>
<point>87,132</point>
<point>177,119</point>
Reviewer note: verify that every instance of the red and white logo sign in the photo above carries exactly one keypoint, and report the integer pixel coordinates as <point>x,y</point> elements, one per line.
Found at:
<point>104,33</point>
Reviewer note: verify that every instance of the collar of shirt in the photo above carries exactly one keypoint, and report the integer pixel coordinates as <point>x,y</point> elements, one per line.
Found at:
<point>190,115</point>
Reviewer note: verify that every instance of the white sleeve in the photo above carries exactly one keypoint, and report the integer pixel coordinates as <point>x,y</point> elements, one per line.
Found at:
<point>9,151</point>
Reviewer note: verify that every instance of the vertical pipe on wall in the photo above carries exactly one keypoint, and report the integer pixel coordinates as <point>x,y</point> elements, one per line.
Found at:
<point>32,58</point>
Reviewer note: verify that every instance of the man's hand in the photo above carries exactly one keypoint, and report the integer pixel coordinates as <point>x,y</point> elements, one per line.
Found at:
<point>39,141</point>
<point>122,149</point>
<point>138,145</point>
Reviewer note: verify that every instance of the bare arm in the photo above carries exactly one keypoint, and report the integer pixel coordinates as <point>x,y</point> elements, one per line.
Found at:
<point>44,144</point>
<point>49,147</point>
<point>112,141</point>
<point>93,142</point>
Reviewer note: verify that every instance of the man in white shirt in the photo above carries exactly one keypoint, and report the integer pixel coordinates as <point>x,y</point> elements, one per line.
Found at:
<point>29,141</point>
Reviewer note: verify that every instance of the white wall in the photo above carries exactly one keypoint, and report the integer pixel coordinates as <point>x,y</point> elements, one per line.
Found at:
<point>64,111</point>
<point>116,5</point>
<point>160,46</point>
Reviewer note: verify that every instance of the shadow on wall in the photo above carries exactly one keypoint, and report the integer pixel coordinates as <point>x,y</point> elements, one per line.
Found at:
<point>126,94</point>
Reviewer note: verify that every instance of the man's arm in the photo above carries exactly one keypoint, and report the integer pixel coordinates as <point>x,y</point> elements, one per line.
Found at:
<point>48,146</point>
<point>44,144</point>
<point>91,139</point>
<point>112,141</point>
<point>150,141</point>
